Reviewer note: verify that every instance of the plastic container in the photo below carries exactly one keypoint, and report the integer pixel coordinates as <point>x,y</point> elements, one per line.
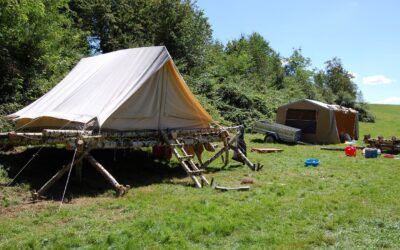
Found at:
<point>371,153</point>
<point>311,162</point>
<point>350,151</point>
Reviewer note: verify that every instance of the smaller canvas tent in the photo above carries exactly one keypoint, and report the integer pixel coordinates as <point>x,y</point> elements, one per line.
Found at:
<point>320,123</point>
<point>125,90</point>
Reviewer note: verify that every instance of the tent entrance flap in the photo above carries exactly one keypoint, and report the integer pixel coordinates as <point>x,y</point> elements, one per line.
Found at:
<point>346,123</point>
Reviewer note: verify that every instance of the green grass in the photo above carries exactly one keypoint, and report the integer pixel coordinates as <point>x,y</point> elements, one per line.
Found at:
<point>387,121</point>
<point>343,203</point>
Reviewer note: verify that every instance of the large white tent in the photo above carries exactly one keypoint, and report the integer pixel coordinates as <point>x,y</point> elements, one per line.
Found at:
<point>129,89</point>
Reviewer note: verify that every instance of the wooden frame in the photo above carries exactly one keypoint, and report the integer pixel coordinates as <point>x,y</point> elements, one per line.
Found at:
<point>85,141</point>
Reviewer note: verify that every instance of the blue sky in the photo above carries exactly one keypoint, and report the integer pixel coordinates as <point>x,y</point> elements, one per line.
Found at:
<point>364,34</point>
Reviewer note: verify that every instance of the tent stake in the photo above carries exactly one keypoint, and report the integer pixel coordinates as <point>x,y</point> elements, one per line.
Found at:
<point>120,189</point>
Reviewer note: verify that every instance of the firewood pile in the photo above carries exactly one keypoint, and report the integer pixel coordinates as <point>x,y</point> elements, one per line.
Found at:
<point>388,145</point>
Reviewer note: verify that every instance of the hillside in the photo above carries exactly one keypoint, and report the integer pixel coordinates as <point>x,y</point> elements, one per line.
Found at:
<point>387,121</point>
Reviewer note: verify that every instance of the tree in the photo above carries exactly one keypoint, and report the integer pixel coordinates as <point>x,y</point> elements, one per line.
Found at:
<point>121,24</point>
<point>38,44</point>
<point>296,62</point>
<point>296,69</point>
<point>339,80</point>
<point>252,56</point>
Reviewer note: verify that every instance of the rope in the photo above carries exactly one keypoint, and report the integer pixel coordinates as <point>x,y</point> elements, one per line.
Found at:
<point>70,170</point>
<point>22,169</point>
<point>31,159</point>
<point>69,174</point>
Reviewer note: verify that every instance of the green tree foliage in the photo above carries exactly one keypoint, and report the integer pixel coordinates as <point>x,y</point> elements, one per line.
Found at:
<point>38,44</point>
<point>339,80</point>
<point>121,24</point>
<point>336,86</point>
<point>239,82</point>
<point>247,80</point>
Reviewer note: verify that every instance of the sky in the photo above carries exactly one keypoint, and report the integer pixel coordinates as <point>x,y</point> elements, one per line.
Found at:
<point>364,34</point>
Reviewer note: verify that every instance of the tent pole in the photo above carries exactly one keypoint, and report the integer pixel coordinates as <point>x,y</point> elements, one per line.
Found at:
<point>78,170</point>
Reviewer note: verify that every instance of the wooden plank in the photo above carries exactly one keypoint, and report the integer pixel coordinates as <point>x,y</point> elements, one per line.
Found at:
<point>266,150</point>
<point>339,149</point>
<point>243,188</point>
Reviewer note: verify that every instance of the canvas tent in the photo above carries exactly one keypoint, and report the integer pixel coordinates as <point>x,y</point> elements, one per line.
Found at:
<point>126,99</point>
<point>125,90</point>
<point>321,123</point>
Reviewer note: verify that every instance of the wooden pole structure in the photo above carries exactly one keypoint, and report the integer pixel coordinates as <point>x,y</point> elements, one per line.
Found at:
<point>120,189</point>
<point>56,177</point>
<point>78,171</point>
<point>220,152</point>
<point>254,167</point>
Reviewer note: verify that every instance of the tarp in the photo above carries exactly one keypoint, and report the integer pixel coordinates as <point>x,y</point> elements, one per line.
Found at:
<point>327,122</point>
<point>130,89</point>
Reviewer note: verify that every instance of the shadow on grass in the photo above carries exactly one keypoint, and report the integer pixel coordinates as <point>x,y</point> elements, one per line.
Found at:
<point>134,168</point>
<point>230,167</point>
<point>258,140</point>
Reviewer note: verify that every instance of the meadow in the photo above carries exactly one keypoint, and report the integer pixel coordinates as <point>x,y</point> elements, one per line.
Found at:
<point>346,202</point>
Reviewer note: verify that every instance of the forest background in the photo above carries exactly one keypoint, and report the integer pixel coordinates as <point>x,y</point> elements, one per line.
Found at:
<point>237,82</point>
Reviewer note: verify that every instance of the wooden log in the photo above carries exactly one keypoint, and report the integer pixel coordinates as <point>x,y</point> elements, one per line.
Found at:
<point>226,144</point>
<point>78,169</point>
<point>61,132</point>
<point>120,189</point>
<point>56,177</point>
<point>254,167</point>
<point>111,140</point>
<point>266,150</point>
<point>339,149</point>
<point>221,188</point>
<point>220,152</point>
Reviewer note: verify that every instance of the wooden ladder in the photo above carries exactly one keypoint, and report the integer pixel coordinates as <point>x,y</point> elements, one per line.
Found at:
<point>186,161</point>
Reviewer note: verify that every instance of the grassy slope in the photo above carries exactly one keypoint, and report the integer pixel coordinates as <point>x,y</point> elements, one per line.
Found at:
<point>345,202</point>
<point>387,121</point>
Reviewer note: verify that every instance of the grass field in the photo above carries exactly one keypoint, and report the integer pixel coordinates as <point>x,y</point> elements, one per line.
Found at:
<point>387,121</point>
<point>343,203</point>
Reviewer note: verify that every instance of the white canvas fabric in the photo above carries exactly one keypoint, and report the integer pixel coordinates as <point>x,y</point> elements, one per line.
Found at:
<point>129,89</point>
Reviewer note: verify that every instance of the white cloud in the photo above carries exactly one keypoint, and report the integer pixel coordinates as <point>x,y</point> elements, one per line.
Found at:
<point>390,100</point>
<point>376,80</point>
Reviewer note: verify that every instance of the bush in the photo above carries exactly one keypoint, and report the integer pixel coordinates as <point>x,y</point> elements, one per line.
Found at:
<point>363,114</point>
<point>6,109</point>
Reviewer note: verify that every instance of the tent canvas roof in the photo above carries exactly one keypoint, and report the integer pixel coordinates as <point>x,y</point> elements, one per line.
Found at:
<point>326,106</point>
<point>128,89</point>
